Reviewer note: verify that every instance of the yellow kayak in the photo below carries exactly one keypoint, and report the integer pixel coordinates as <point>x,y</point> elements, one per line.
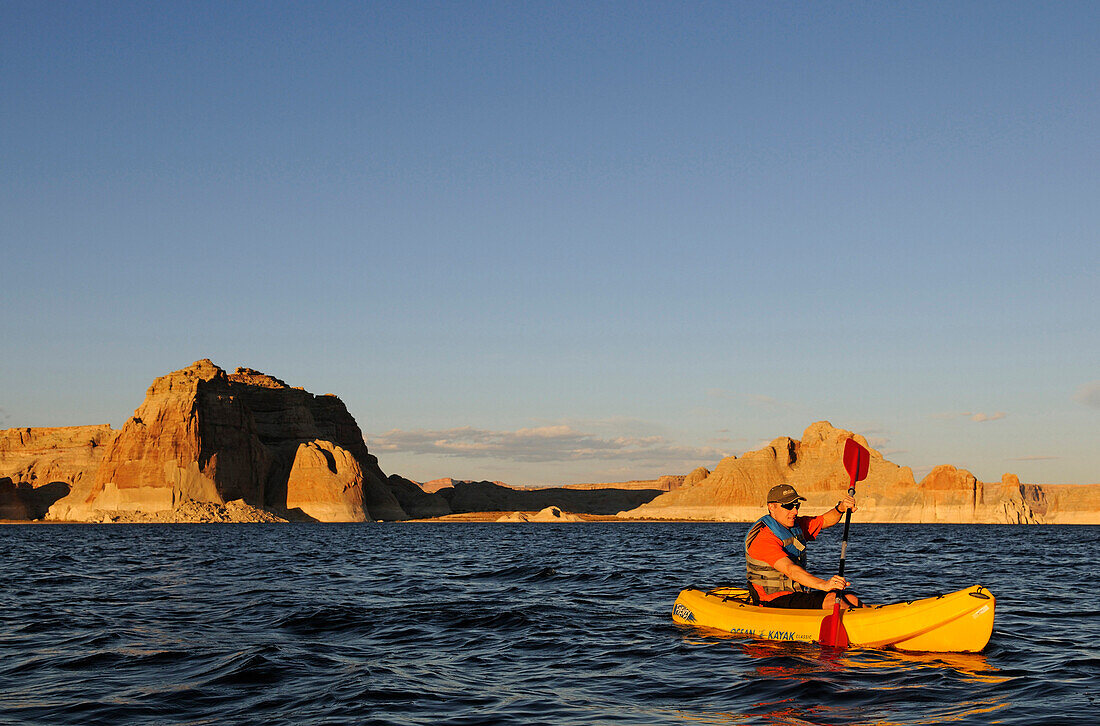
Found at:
<point>960,622</point>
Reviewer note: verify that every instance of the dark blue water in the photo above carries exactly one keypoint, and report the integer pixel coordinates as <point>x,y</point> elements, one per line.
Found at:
<point>522,624</point>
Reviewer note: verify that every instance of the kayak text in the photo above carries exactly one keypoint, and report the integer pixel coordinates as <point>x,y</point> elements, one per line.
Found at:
<point>683,613</point>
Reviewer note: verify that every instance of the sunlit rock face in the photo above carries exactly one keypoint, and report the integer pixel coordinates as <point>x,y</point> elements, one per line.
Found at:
<point>202,435</point>
<point>326,483</point>
<point>737,489</point>
<point>190,439</point>
<point>45,465</point>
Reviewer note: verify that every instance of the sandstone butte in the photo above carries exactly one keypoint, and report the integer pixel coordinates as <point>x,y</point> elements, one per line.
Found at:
<point>737,489</point>
<point>205,437</point>
<point>206,445</point>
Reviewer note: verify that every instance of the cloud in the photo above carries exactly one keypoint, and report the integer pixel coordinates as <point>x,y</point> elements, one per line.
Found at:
<point>1035,458</point>
<point>1088,394</point>
<point>555,443</point>
<point>976,417</point>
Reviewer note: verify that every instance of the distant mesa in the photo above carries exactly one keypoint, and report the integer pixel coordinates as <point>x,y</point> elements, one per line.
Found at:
<point>206,445</point>
<point>737,489</point>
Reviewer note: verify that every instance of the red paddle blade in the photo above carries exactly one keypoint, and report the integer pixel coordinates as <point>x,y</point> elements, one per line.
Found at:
<point>833,634</point>
<point>856,460</point>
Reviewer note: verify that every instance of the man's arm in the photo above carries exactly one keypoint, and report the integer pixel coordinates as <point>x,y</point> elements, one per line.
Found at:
<point>802,577</point>
<point>831,517</point>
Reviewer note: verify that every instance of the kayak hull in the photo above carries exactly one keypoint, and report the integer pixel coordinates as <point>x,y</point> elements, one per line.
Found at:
<point>960,622</point>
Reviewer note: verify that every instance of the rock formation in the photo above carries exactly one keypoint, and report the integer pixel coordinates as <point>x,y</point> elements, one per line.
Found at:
<point>494,497</point>
<point>737,489</point>
<point>696,476</point>
<point>43,465</point>
<point>190,439</point>
<point>549,514</point>
<point>287,417</point>
<point>204,436</point>
<point>209,446</point>
<point>418,502</point>
<point>325,483</point>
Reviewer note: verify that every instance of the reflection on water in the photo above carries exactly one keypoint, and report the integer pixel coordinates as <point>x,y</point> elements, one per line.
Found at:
<point>818,683</point>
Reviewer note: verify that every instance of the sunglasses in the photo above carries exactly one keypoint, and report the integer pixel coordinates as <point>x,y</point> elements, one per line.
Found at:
<point>792,505</point>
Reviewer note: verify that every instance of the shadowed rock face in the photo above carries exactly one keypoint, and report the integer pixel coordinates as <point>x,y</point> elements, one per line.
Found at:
<point>465,497</point>
<point>415,500</point>
<point>285,418</point>
<point>13,499</point>
<point>202,435</point>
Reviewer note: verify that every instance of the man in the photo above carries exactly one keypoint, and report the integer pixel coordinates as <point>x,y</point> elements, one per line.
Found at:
<point>775,554</point>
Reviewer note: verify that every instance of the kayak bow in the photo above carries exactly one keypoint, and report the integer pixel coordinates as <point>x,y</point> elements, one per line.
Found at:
<point>960,622</point>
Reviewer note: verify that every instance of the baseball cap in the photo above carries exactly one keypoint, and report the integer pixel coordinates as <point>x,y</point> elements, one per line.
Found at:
<point>783,494</point>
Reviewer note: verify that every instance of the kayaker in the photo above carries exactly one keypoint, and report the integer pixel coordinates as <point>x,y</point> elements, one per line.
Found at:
<point>775,554</point>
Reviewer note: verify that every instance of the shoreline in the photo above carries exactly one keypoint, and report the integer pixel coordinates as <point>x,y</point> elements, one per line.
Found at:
<point>493,518</point>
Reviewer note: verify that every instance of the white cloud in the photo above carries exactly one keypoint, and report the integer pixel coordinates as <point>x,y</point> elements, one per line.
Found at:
<point>554,443</point>
<point>976,417</point>
<point>1088,394</point>
<point>1035,458</point>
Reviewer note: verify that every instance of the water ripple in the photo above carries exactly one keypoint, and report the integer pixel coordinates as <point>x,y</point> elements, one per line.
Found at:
<point>453,623</point>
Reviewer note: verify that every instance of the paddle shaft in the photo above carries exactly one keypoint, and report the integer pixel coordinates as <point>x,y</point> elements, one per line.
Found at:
<point>856,462</point>
<point>843,551</point>
<point>847,521</point>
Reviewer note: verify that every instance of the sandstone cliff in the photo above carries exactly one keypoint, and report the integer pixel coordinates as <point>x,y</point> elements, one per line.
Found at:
<point>204,436</point>
<point>737,489</point>
<point>39,466</point>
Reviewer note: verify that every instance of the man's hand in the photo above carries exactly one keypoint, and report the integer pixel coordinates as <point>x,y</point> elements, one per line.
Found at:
<point>848,503</point>
<point>802,577</point>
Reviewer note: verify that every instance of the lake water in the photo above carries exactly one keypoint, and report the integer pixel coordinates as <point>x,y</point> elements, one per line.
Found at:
<point>514,624</point>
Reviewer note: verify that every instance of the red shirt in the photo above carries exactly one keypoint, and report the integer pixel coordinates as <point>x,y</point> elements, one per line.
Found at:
<point>766,547</point>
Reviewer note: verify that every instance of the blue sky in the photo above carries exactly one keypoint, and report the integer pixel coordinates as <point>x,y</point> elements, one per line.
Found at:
<point>561,242</point>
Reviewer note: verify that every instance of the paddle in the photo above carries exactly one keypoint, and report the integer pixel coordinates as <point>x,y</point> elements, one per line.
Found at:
<point>856,461</point>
